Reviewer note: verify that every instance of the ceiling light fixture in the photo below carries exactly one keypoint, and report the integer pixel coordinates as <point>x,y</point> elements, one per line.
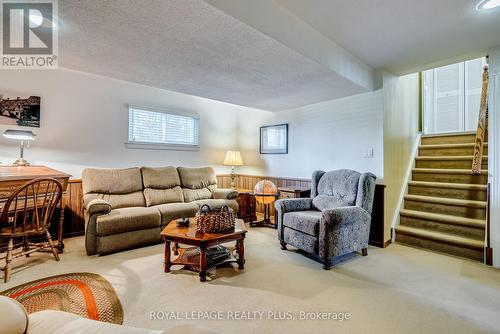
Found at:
<point>487,4</point>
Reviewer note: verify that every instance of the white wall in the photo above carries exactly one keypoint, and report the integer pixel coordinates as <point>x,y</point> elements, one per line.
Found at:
<point>401,125</point>
<point>328,135</point>
<point>494,149</point>
<point>84,122</point>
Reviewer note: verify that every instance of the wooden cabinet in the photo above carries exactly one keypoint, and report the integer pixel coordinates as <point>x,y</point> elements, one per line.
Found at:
<point>377,224</point>
<point>248,206</point>
<point>288,192</point>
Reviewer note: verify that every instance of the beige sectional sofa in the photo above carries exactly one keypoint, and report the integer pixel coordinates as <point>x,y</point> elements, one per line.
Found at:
<point>127,208</point>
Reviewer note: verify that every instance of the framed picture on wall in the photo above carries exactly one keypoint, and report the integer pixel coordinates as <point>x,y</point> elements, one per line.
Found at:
<point>22,111</point>
<point>274,139</point>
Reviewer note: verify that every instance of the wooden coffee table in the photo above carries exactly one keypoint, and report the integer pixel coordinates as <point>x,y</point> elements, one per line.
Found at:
<point>202,241</point>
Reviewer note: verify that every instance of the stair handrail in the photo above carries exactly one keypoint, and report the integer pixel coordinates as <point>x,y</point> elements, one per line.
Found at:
<point>482,126</point>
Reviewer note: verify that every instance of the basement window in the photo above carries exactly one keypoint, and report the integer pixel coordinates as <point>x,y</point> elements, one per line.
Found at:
<point>162,129</point>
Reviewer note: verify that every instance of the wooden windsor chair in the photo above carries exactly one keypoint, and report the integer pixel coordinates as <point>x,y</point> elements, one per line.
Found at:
<point>27,214</point>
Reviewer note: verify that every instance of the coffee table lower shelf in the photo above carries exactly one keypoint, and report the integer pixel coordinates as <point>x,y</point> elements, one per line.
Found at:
<point>190,257</point>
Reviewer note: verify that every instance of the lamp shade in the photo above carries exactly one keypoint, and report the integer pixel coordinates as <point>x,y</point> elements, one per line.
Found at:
<point>233,158</point>
<point>19,134</point>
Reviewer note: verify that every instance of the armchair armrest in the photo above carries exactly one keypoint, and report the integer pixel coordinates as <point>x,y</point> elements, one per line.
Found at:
<point>289,205</point>
<point>345,215</point>
<point>343,230</point>
<point>97,206</point>
<point>225,194</point>
<point>293,204</point>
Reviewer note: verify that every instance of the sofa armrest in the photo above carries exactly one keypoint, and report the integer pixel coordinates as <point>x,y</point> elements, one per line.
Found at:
<point>97,206</point>
<point>51,321</point>
<point>225,194</point>
<point>13,316</point>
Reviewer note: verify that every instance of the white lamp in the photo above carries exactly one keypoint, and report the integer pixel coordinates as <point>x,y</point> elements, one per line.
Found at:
<point>233,158</point>
<point>21,135</point>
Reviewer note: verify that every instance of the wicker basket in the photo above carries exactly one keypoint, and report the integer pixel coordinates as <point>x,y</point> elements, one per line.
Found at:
<point>213,220</point>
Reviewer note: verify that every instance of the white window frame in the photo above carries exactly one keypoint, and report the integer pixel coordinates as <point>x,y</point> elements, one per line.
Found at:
<point>162,146</point>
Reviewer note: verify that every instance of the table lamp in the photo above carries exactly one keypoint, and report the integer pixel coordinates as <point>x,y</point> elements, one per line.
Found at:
<point>21,135</point>
<point>233,158</point>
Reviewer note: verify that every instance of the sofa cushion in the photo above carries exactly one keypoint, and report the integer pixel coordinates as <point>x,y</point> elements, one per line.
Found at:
<point>173,211</point>
<point>127,219</point>
<point>303,221</point>
<point>218,203</point>
<point>135,199</point>
<point>120,187</point>
<point>197,183</point>
<point>161,185</point>
<point>337,188</point>
<point>112,181</point>
<point>196,178</point>
<point>301,240</point>
<point>191,195</point>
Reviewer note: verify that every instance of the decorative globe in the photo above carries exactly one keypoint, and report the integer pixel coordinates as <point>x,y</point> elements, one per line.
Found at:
<point>265,187</point>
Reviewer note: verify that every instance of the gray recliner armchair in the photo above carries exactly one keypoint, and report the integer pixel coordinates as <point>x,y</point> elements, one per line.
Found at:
<point>334,221</point>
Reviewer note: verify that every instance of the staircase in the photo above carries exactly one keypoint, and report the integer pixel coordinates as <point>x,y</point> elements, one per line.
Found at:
<point>445,208</point>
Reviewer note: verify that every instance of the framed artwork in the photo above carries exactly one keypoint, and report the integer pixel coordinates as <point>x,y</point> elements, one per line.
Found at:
<point>274,139</point>
<point>20,111</point>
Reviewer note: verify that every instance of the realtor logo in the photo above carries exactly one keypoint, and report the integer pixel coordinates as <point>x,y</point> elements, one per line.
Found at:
<point>29,34</point>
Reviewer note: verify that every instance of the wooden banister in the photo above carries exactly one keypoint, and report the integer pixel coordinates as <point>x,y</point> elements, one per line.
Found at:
<point>482,126</point>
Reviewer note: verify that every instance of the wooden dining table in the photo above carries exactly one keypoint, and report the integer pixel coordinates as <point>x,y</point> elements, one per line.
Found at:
<point>12,177</point>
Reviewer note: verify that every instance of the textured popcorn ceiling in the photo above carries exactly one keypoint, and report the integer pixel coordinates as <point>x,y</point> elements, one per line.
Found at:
<point>194,48</point>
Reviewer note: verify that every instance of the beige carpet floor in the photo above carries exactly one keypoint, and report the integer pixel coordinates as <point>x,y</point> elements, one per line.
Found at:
<point>393,290</point>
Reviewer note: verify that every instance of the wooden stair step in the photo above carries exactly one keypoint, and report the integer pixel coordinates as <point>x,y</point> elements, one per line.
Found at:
<point>449,149</point>
<point>447,171</point>
<point>478,187</point>
<point>476,192</point>
<point>449,138</point>
<point>446,219</point>
<point>441,237</point>
<point>463,176</point>
<point>448,157</point>
<point>447,201</point>
<point>453,145</point>
<point>447,162</point>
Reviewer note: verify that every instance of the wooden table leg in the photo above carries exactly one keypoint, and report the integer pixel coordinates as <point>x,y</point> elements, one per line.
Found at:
<point>240,248</point>
<point>203,263</point>
<point>166,261</point>
<point>176,248</point>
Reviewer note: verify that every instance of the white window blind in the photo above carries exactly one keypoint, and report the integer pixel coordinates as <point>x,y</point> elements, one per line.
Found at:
<point>147,126</point>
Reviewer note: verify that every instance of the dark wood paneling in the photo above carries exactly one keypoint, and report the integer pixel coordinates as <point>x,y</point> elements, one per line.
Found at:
<point>74,223</point>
